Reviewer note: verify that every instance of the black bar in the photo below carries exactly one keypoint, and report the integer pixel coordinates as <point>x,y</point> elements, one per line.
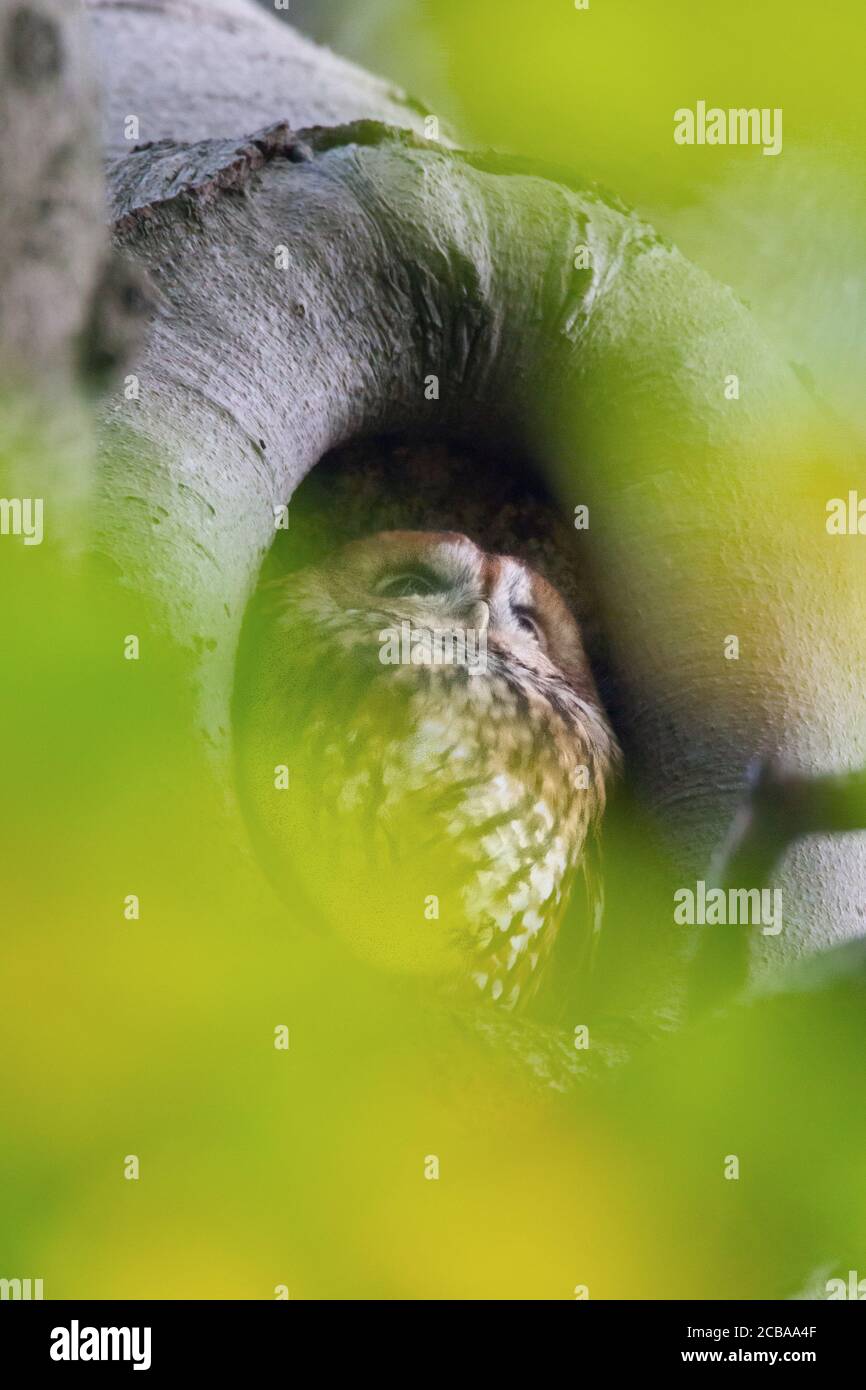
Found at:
<point>222,1339</point>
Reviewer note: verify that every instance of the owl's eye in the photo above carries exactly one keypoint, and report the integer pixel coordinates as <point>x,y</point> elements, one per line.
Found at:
<point>528,623</point>
<point>409,584</point>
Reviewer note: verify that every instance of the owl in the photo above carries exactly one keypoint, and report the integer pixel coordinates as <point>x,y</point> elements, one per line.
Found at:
<point>423,758</point>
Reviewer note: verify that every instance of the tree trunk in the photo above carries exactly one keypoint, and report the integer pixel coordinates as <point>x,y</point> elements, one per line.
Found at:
<point>406,259</point>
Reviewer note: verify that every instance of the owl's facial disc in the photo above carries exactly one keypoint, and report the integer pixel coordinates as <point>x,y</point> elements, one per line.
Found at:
<point>454,585</point>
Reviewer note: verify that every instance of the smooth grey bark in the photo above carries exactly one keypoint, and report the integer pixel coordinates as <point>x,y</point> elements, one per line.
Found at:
<point>192,69</point>
<point>51,214</point>
<point>70,308</point>
<point>407,259</point>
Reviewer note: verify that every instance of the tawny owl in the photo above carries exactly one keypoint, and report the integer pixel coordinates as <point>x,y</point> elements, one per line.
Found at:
<point>423,756</point>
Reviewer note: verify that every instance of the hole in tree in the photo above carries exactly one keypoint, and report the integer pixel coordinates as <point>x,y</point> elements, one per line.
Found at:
<point>499,497</point>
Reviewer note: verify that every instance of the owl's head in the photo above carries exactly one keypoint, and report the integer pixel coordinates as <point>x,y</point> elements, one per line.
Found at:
<point>443,742</point>
<point>442,581</point>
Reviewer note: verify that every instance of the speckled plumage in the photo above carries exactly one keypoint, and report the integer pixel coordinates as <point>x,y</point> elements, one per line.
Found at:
<point>475,789</point>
